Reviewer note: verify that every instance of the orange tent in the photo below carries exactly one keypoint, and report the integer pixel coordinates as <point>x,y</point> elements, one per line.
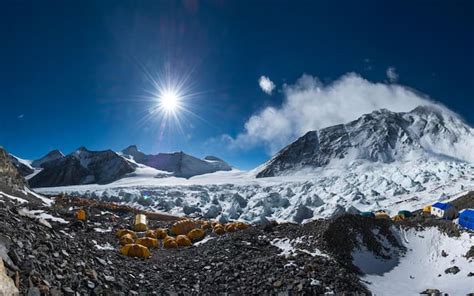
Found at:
<point>147,242</point>
<point>183,241</point>
<point>196,234</point>
<point>183,227</point>
<point>81,215</point>
<point>126,239</point>
<point>122,232</point>
<point>135,250</point>
<point>170,243</point>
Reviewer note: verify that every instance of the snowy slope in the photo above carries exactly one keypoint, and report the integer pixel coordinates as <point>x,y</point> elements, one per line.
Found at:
<point>324,192</point>
<point>178,163</point>
<point>381,136</point>
<point>423,266</point>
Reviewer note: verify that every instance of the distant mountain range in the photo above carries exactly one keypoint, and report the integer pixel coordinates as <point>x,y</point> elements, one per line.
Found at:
<point>101,167</point>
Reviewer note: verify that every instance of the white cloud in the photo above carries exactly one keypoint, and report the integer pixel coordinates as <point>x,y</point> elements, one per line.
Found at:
<point>392,74</point>
<point>21,116</point>
<point>266,84</point>
<point>309,105</point>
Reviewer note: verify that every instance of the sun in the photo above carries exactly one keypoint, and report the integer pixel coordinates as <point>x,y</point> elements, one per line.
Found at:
<point>169,100</point>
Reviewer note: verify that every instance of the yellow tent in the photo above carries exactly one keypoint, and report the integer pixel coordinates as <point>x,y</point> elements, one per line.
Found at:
<point>196,234</point>
<point>381,215</point>
<point>81,215</point>
<point>126,239</point>
<point>161,233</point>
<point>242,225</point>
<point>219,229</point>
<point>134,250</point>
<point>148,242</point>
<point>140,223</point>
<point>122,232</point>
<point>427,209</point>
<point>170,243</point>
<point>183,241</point>
<point>183,227</point>
<point>398,218</point>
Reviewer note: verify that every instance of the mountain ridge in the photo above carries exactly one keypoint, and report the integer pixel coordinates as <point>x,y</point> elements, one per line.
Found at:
<point>379,136</point>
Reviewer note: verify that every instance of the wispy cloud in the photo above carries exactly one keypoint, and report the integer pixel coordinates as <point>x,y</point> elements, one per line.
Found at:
<point>266,84</point>
<point>309,105</point>
<point>392,74</point>
<point>21,116</point>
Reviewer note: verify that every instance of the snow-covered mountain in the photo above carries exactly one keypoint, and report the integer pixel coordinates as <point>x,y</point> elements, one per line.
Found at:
<point>178,163</point>
<point>51,156</point>
<point>82,167</point>
<point>383,160</point>
<point>381,136</point>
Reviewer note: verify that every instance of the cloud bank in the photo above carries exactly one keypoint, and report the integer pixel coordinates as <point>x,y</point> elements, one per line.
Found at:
<point>309,105</point>
<point>392,74</point>
<point>266,84</point>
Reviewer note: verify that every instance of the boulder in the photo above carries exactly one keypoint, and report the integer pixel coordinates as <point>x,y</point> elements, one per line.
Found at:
<point>7,286</point>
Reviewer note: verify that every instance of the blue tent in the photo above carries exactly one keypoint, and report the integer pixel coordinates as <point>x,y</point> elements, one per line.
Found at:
<point>466,219</point>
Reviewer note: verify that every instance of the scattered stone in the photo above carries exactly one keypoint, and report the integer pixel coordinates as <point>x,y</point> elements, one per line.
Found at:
<point>431,292</point>
<point>452,270</point>
<point>444,254</point>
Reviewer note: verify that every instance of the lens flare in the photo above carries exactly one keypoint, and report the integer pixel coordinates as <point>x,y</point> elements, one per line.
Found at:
<point>169,100</point>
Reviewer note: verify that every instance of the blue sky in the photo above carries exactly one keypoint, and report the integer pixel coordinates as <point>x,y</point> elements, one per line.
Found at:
<point>74,72</point>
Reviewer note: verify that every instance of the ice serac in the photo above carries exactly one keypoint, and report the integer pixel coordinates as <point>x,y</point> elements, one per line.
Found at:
<point>381,136</point>
<point>51,156</point>
<point>178,163</point>
<point>83,167</point>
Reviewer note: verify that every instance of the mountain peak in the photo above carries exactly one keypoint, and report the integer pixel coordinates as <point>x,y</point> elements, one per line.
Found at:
<point>380,136</point>
<point>130,149</point>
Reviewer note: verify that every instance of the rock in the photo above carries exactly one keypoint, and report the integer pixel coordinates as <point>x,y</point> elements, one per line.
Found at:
<point>431,292</point>
<point>444,254</point>
<point>452,270</point>
<point>35,291</point>
<point>470,274</point>
<point>7,286</point>
<point>277,284</point>
<point>68,291</point>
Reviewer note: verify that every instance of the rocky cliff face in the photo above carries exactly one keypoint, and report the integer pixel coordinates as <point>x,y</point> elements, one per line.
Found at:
<point>381,136</point>
<point>10,179</point>
<point>82,167</point>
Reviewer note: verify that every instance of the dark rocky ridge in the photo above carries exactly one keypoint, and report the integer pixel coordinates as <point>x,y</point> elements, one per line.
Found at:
<point>82,167</point>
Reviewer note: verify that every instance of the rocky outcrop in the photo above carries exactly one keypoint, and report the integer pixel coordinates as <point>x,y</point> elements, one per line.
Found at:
<point>82,167</point>
<point>10,179</point>
<point>7,286</point>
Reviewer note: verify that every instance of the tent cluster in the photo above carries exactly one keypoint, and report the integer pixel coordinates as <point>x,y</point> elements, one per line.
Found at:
<point>181,234</point>
<point>441,210</point>
<point>466,219</point>
<point>381,214</point>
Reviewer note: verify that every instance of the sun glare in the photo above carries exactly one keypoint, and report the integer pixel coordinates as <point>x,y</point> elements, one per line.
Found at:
<point>169,100</point>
